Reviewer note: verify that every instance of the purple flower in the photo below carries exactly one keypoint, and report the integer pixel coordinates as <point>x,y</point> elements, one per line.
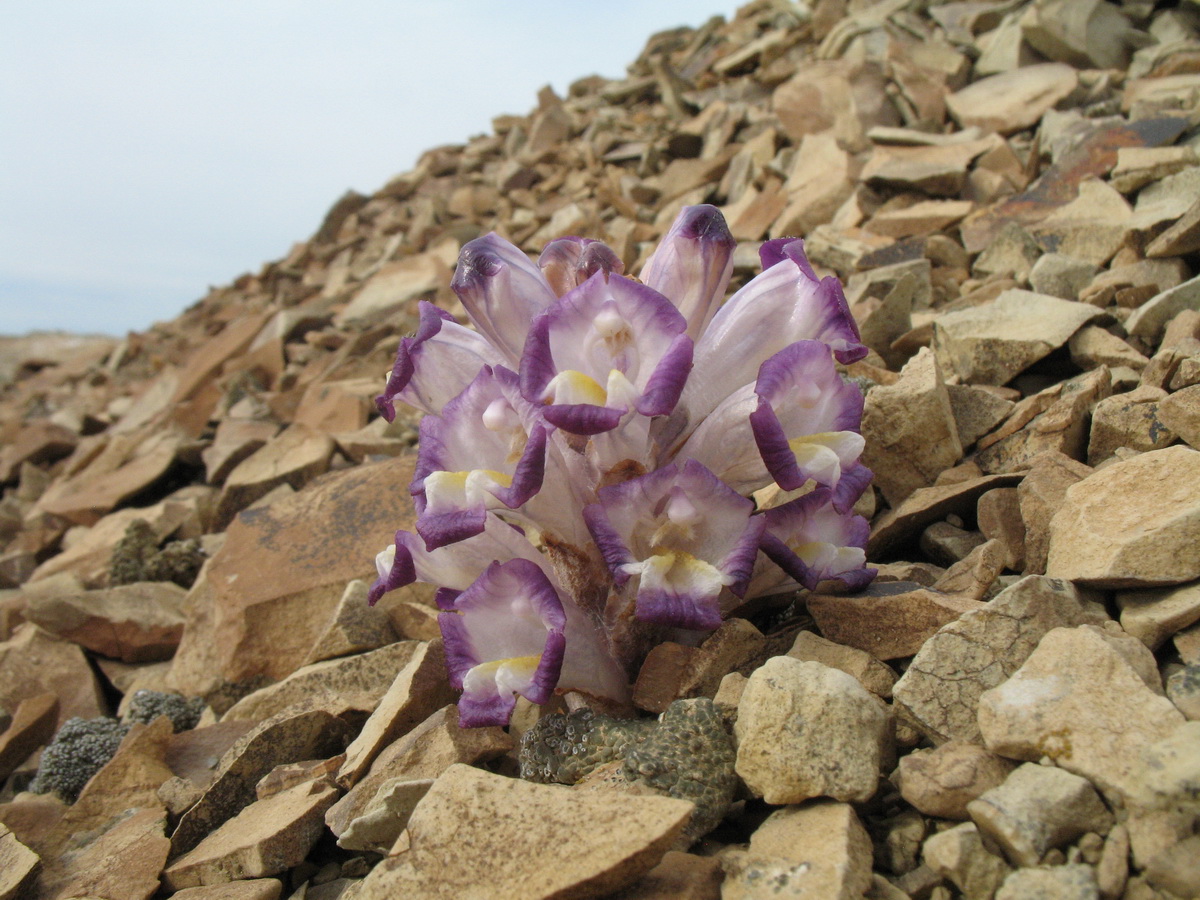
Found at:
<point>504,636</point>
<point>685,534</point>
<point>813,542</point>
<point>595,448</point>
<point>606,348</point>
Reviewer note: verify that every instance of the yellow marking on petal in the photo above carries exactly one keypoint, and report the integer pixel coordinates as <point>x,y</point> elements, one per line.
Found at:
<point>505,674</point>
<point>681,571</point>
<point>499,477</point>
<point>571,386</point>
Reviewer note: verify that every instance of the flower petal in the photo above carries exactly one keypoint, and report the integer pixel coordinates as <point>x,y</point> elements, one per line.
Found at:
<point>486,450</point>
<point>692,265</point>
<point>779,307</point>
<point>435,364</point>
<point>501,290</point>
<point>813,542</point>
<point>503,637</point>
<point>807,419</point>
<point>607,345</point>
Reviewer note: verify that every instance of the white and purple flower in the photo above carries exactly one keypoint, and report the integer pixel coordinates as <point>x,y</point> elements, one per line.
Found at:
<point>592,446</point>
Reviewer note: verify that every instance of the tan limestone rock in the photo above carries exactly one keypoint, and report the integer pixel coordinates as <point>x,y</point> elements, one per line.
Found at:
<point>35,662</point>
<point>385,816</point>
<point>940,690</point>
<point>282,739</point>
<point>139,622</point>
<point>417,691</point>
<point>472,822</point>
<point>1041,494</point>
<point>960,855</point>
<point>277,579</point>
<point>1180,412</point>
<point>425,752</point>
<point>910,429</point>
<point>994,342</point>
<point>876,676</point>
<point>251,889</point>
<point>836,95</point>
<point>818,183</point>
<point>266,838</point>
<point>999,516</point>
<point>395,284</point>
<point>815,850</point>
<point>1081,699</point>
<point>976,411</point>
<point>889,620</point>
<point>1153,617</point>
<point>1013,100</point>
<point>1133,524</point>
<point>897,527</point>
<point>235,440</point>
<point>18,865</point>
<point>942,781</point>
<point>1128,420</point>
<point>785,756</point>
<point>354,627</point>
<point>32,725</point>
<point>294,457</point>
<point>1092,346</point>
<point>1036,809</point>
<point>335,685</point>
<point>124,861</point>
<point>680,876</point>
<point>1150,319</point>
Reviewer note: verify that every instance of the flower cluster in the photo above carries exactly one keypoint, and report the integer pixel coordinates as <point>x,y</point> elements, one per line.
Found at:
<point>606,463</point>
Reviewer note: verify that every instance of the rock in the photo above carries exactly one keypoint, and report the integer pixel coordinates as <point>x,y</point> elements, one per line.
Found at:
<point>818,849</point>
<point>942,781</point>
<point>1180,412</point>
<point>282,739</point>
<point>1038,808</point>
<point>785,757</point>
<point>999,516</point>
<point>425,752</point>
<point>1177,870</point>
<point>385,816</point>
<point>896,527</point>
<point>1149,319</point>
<point>889,620</point>
<point>1013,100</point>
<point>134,622</point>
<point>993,342</point>
<point>940,690</point>
<point>266,838</point>
<point>959,854</point>
<point>18,865</point>
<point>34,662</point>
<point>937,170</point>
<point>335,685</point>
<point>910,430</point>
<point>672,671</point>
<point>418,690</point>
<point>1091,346</point>
<point>1012,254</point>
<point>1133,284</point>
<point>235,440</point>
<point>1132,524</point>
<point>1074,881</point>
<point>471,822</point>
<point>1061,276</point>
<point>1052,421</point>
<point>32,725</point>
<point>872,674</point>
<point>976,411</point>
<point>947,545</point>
<point>1154,616</point>
<point>1113,868</point>
<point>680,875</point>
<point>1183,689</point>
<point>823,95</point>
<point>251,889</point>
<point>1091,34</point>
<point>124,861</point>
<point>276,581</point>
<point>819,181</point>
<point>395,284</point>
<point>294,457</point>
<point>355,627</point>
<point>1079,700</point>
<point>1128,420</point>
<point>1041,495</point>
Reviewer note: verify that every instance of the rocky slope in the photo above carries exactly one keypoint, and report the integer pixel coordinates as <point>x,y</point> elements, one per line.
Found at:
<point>1010,192</point>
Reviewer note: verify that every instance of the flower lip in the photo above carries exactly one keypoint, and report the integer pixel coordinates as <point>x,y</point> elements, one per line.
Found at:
<point>568,262</point>
<point>613,340</point>
<point>504,635</point>
<point>814,543</point>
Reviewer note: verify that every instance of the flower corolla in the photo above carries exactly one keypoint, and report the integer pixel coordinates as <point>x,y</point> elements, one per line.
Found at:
<point>606,463</point>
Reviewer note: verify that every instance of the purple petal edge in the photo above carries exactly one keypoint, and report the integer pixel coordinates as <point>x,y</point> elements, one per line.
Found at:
<point>678,611</point>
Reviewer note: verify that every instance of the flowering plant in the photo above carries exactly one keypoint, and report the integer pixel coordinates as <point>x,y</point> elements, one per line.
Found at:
<point>591,451</point>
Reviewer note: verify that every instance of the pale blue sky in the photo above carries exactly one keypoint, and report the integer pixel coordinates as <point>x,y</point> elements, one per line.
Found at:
<point>149,149</point>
